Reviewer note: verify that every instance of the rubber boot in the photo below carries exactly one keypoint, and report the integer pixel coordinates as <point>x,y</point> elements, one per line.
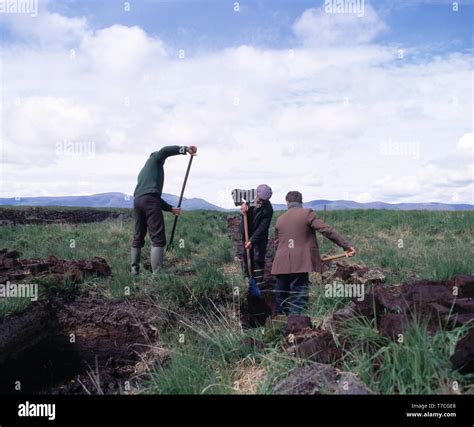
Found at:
<point>156,258</point>
<point>136,261</point>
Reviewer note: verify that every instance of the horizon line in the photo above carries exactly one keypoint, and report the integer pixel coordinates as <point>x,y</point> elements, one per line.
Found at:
<point>276,203</point>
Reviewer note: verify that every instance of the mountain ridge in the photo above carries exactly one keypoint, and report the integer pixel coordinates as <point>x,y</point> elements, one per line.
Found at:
<point>121,200</point>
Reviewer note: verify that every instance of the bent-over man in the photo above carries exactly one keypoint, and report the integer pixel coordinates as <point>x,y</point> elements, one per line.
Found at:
<point>148,207</point>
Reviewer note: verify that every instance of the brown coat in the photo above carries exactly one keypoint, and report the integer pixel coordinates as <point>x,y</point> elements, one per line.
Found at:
<point>297,250</point>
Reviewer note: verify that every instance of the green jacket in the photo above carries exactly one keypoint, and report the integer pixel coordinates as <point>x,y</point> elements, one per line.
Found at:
<point>152,176</point>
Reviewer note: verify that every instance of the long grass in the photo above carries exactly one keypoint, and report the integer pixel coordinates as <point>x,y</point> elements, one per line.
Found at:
<point>201,273</point>
<point>419,364</point>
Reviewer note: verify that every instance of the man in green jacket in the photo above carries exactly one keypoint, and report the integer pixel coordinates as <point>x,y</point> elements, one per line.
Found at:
<point>148,206</point>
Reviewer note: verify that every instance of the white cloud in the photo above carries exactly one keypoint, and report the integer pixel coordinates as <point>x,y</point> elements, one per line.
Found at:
<point>434,182</point>
<point>466,142</point>
<point>33,126</point>
<point>314,118</point>
<point>317,27</point>
<point>46,29</point>
<point>120,52</point>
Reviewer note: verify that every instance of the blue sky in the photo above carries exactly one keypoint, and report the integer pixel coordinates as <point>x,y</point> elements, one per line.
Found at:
<point>213,24</point>
<point>281,92</point>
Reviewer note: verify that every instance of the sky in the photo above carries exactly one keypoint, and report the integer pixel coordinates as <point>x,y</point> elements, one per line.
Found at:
<point>371,104</point>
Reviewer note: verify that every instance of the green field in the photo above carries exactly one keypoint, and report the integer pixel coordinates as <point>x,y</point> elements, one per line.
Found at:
<point>206,350</point>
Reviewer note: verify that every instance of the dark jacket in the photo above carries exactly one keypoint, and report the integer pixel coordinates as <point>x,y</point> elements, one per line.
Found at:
<point>152,176</point>
<point>259,219</point>
<point>297,250</point>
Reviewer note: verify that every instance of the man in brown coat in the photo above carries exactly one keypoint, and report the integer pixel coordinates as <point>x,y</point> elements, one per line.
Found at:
<point>297,253</point>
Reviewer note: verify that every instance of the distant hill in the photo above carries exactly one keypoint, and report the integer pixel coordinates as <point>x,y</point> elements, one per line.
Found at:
<point>348,204</point>
<point>120,200</point>
<point>105,200</point>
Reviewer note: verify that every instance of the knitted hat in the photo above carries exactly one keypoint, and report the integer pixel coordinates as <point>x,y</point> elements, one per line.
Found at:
<point>264,192</point>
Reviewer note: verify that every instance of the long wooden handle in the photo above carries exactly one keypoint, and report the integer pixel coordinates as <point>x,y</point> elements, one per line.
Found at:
<point>246,231</point>
<point>180,201</point>
<point>333,257</point>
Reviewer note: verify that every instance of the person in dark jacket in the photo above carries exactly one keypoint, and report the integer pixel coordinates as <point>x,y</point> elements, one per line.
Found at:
<point>259,219</point>
<point>148,207</point>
